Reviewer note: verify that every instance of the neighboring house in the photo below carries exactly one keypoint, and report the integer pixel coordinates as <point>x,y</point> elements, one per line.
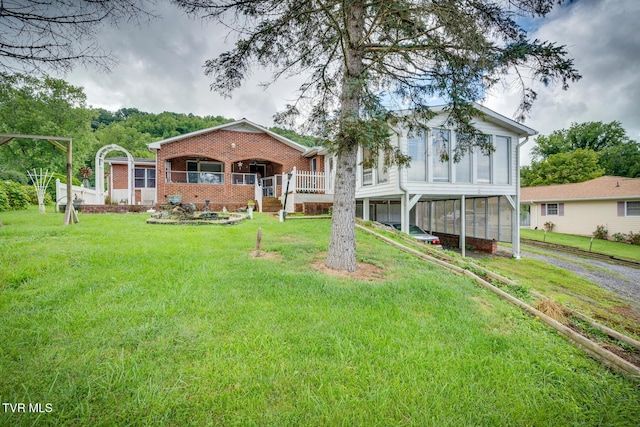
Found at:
<point>611,201</point>
<point>144,180</point>
<point>434,191</point>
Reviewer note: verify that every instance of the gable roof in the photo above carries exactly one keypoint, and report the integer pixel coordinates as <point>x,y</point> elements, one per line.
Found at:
<point>605,187</point>
<point>242,125</point>
<point>497,118</point>
<point>489,116</point>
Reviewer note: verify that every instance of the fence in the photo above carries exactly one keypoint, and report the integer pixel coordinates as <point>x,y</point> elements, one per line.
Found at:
<point>80,194</point>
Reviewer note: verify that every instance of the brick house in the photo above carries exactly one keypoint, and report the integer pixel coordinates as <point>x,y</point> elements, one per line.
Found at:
<point>227,165</point>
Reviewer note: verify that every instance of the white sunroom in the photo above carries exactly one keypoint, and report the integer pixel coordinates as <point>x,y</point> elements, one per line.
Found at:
<point>473,200</point>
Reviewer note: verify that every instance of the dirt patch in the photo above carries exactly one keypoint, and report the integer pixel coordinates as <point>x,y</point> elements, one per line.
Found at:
<point>264,255</point>
<point>364,271</point>
<point>632,357</point>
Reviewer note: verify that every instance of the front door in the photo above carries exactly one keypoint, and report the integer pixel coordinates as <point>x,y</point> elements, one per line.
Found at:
<point>260,169</point>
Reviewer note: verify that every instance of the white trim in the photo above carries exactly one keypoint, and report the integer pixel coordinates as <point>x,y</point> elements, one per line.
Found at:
<point>242,125</point>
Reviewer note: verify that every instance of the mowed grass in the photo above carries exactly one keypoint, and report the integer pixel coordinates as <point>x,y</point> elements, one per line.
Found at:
<point>115,322</point>
<point>622,250</point>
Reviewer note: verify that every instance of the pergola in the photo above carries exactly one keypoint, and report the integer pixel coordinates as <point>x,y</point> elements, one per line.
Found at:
<point>69,213</point>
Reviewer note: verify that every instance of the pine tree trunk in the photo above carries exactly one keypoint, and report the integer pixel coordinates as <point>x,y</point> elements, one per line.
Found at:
<point>342,246</point>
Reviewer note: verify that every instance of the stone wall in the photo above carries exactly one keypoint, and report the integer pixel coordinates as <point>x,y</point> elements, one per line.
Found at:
<point>109,208</point>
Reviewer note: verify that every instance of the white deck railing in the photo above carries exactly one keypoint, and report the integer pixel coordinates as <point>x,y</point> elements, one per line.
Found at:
<point>310,182</point>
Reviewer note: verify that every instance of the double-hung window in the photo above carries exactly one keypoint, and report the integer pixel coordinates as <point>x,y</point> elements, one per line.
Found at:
<point>552,209</point>
<point>145,177</point>
<point>205,172</point>
<point>633,209</point>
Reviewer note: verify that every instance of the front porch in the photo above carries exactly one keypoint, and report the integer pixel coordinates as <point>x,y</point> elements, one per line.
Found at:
<point>232,184</point>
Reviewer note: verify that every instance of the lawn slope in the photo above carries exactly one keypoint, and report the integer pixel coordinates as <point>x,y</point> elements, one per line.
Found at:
<point>115,322</point>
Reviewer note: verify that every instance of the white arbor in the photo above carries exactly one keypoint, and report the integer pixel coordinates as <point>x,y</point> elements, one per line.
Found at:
<point>100,155</point>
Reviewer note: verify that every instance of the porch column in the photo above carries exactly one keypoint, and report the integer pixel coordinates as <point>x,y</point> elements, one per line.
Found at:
<point>463,225</point>
<point>515,229</point>
<point>404,212</point>
<point>365,209</point>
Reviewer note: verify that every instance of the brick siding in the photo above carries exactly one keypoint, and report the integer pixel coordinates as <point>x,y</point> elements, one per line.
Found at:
<point>229,148</point>
<point>482,245</point>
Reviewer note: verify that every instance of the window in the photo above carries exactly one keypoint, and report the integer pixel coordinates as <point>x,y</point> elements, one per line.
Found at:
<point>205,172</point>
<point>483,161</point>
<point>463,167</point>
<point>552,209</point>
<point>382,170</point>
<point>367,171</point>
<point>502,159</point>
<point>145,177</point>
<point>633,208</point>
<point>440,154</point>
<point>417,149</point>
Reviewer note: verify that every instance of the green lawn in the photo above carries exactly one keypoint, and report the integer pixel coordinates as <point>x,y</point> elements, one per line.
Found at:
<point>622,250</point>
<point>115,322</point>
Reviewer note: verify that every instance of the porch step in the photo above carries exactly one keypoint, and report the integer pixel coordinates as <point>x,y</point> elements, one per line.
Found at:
<point>271,204</point>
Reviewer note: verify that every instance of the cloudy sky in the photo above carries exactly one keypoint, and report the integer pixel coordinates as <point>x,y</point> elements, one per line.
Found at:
<point>161,69</point>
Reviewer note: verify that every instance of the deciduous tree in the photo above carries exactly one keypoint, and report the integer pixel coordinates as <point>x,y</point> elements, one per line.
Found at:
<point>46,106</point>
<point>618,155</point>
<point>363,58</point>
<point>563,168</point>
<point>596,136</point>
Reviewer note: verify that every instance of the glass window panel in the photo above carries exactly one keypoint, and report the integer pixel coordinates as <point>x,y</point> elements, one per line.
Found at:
<point>481,218</point>
<point>470,217</point>
<point>463,166</point>
<point>417,149</point>
<point>382,173</point>
<point>483,163</point>
<point>440,154</point>
<point>493,216</point>
<point>367,173</point>
<point>633,208</point>
<point>450,216</point>
<point>502,159</point>
<point>505,220</point>
<point>210,167</point>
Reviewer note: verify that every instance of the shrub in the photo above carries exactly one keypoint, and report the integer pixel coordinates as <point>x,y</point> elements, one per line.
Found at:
<point>33,195</point>
<point>601,233</point>
<point>634,238</point>
<point>549,226</point>
<point>4,199</point>
<point>16,176</point>
<point>619,237</point>
<point>16,194</point>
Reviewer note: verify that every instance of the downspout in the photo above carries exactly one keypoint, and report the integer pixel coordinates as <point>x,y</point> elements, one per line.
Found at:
<point>516,241</point>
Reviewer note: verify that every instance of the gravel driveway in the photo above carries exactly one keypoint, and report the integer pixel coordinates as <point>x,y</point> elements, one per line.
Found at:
<point>622,280</point>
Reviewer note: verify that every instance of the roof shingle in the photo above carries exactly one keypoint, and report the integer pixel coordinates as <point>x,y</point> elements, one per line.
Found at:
<point>605,187</point>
